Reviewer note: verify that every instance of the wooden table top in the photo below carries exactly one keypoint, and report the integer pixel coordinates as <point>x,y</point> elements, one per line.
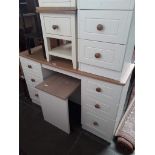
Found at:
<point>59,85</point>
<point>62,10</point>
<point>63,64</point>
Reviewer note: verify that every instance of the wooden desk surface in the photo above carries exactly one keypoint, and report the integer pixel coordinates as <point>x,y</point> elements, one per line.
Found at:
<point>62,10</point>
<point>66,65</point>
<point>59,85</point>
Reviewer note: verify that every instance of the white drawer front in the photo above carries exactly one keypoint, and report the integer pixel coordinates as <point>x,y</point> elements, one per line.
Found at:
<point>103,125</point>
<point>33,93</point>
<point>99,108</point>
<point>57,3</point>
<point>106,26</point>
<point>102,92</point>
<point>106,4</point>
<point>101,54</point>
<point>57,24</point>
<point>31,67</point>
<point>33,80</point>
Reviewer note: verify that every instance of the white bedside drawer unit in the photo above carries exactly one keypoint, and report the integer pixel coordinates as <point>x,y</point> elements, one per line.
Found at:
<point>57,3</point>
<point>104,25</point>
<point>99,54</point>
<point>60,26</point>
<point>106,4</point>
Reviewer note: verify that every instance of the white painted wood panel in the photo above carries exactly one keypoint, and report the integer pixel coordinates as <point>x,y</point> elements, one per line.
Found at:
<point>106,4</point>
<point>115,25</point>
<point>104,125</point>
<point>57,3</point>
<point>55,111</point>
<point>105,109</point>
<point>111,55</point>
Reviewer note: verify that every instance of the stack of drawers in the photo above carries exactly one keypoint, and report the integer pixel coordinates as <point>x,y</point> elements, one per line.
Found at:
<point>105,48</point>
<point>60,24</point>
<point>105,37</point>
<point>34,75</point>
<point>102,106</point>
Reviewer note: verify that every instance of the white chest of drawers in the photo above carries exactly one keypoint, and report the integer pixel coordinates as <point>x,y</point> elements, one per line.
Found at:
<point>102,106</point>
<point>105,37</point>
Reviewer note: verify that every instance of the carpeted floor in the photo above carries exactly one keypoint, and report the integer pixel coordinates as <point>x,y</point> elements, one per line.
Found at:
<point>38,137</point>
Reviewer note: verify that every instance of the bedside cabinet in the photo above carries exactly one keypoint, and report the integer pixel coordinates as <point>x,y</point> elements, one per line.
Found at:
<point>105,37</point>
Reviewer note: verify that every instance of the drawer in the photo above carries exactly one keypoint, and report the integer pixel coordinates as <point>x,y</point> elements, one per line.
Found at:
<point>57,24</point>
<point>102,92</point>
<point>105,55</point>
<point>106,4</point>
<point>33,93</point>
<point>31,67</point>
<point>32,80</point>
<point>104,25</point>
<point>99,108</point>
<point>57,3</point>
<point>103,125</point>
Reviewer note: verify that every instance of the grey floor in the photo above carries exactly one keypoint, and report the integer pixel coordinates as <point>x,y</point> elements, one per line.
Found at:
<point>38,137</point>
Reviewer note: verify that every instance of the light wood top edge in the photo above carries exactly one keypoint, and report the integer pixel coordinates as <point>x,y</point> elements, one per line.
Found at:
<point>69,10</point>
<point>76,71</point>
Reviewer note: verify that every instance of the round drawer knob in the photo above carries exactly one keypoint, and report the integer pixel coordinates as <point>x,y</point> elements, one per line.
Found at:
<point>33,80</point>
<point>97,55</point>
<point>98,89</point>
<point>36,95</point>
<point>97,106</point>
<point>55,27</point>
<point>99,27</point>
<point>29,66</point>
<point>95,124</point>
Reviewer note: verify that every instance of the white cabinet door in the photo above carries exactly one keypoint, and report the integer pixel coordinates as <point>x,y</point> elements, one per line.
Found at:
<point>101,54</point>
<point>55,111</point>
<point>104,25</point>
<point>106,4</point>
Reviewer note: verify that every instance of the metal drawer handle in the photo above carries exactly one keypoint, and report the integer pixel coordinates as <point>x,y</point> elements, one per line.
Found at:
<point>98,89</point>
<point>36,95</point>
<point>55,27</point>
<point>99,27</point>
<point>97,106</point>
<point>33,80</point>
<point>97,55</point>
<point>96,124</point>
<point>29,66</point>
